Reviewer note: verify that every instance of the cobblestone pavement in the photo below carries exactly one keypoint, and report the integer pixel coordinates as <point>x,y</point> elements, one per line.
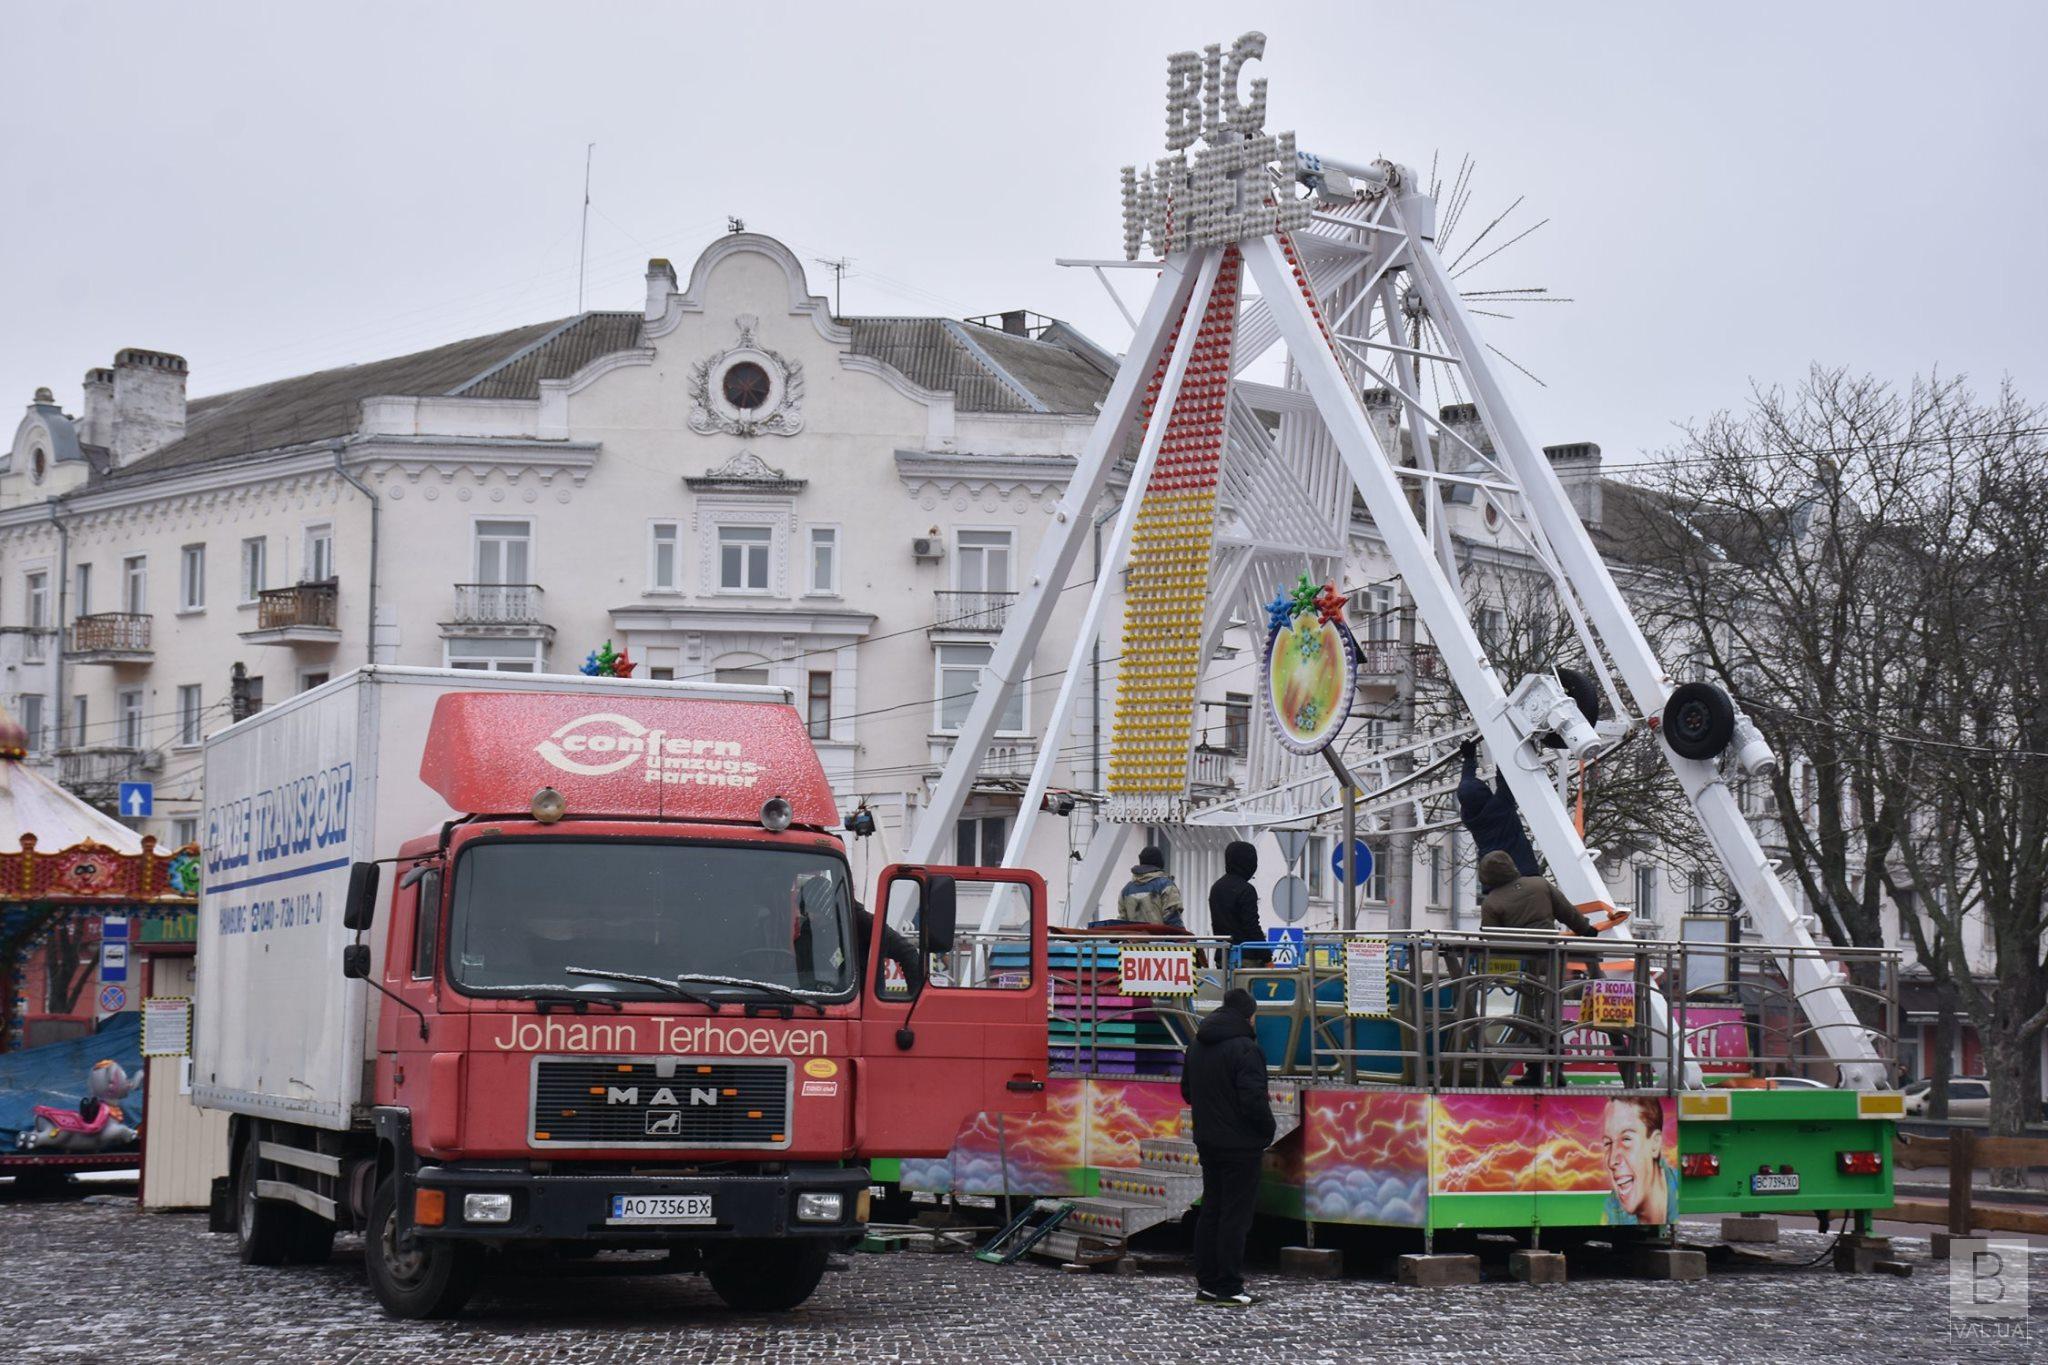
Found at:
<point>97,1280</point>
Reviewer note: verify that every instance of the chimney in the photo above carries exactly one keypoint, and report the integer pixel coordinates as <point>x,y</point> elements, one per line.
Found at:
<point>96,424</point>
<point>661,282</point>
<point>1577,466</point>
<point>1015,324</point>
<point>149,403</point>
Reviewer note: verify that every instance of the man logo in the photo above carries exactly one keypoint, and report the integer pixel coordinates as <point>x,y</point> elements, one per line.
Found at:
<point>664,1122</point>
<point>620,739</point>
<point>662,1098</point>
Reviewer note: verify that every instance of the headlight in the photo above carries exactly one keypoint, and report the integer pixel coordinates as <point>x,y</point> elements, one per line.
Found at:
<point>486,1208</point>
<point>820,1208</point>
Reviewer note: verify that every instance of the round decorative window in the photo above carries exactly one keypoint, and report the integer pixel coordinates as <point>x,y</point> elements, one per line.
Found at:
<point>745,385</point>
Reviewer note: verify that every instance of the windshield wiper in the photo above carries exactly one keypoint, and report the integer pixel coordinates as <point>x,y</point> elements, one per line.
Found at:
<point>673,987</point>
<point>579,1003</point>
<point>789,993</point>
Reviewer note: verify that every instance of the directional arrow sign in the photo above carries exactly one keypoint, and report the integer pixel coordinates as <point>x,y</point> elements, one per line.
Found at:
<point>138,798</point>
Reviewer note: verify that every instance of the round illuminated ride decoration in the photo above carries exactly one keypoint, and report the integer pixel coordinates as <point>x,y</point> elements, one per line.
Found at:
<point>1309,672</point>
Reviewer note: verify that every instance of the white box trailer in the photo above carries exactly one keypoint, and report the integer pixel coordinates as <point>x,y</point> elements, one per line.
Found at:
<point>294,795</point>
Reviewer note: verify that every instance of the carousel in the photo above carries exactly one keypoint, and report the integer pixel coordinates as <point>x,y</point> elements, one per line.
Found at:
<point>75,1103</point>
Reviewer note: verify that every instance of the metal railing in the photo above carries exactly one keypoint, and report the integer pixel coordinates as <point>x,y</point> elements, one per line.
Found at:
<point>304,604</point>
<point>497,604</point>
<point>97,768</point>
<point>1387,659</point>
<point>975,611</point>
<point>1210,767</point>
<point>110,632</point>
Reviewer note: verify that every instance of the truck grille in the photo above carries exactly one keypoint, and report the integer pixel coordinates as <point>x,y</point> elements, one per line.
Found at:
<point>629,1102</point>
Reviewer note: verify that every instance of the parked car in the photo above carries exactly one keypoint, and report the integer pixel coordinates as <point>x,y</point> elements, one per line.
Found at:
<point>1969,1097</point>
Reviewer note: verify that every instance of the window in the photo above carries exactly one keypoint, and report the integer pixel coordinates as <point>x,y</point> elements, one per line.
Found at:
<point>504,552</point>
<point>749,677</point>
<point>655,674</point>
<point>1317,866</point>
<point>1439,887</point>
<point>81,591</point>
<point>664,557</point>
<point>255,566</point>
<point>192,578</point>
<point>960,668</point>
<point>1237,722</point>
<point>252,696</point>
<point>131,718</point>
<point>184,831</point>
<point>978,841</point>
<point>319,561</point>
<point>743,558</point>
<point>1493,628</point>
<point>1377,607</point>
<point>309,681</point>
<point>38,616</point>
<point>188,714</point>
<point>135,585</point>
<point>1696,893</point>
<point>1375,886</point>
<point>78,722</point>
<point>824,561</point>
<point>32,720</point>
<point>426,925</point>
<point>1646,892</point>
<point>492,656</point>
<point>984,561</point>
<point>819,708</point>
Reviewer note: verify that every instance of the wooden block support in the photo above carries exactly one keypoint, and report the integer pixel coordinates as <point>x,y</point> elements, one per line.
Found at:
<point>1670,1263</point>
<point>1857,1255</point>
<point>1312,1263</point>
<point>1436,1271</point>
<point>1537,1267</point>
<point>1763,1229</point>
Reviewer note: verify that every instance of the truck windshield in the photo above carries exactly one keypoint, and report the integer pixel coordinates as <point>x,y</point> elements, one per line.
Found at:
<point>526,911</point>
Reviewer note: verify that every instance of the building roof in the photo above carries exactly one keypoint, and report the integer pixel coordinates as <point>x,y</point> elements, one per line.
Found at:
<point>985,369</point>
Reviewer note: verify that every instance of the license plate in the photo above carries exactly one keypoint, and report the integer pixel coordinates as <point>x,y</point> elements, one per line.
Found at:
<point>1774,1184</point>
<point>661,1208</point>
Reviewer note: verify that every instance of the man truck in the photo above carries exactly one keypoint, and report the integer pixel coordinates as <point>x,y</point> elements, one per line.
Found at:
<point>497,963</point>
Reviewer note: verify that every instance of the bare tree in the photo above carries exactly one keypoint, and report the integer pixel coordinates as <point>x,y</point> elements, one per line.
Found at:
<point>1865,569</point>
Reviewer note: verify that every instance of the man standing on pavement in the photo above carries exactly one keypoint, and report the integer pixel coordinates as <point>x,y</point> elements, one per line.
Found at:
<point>1224,1082</point>
<point>1233,900</point>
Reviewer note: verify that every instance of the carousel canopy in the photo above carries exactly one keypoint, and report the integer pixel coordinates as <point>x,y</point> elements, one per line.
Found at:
<point>32,804</point>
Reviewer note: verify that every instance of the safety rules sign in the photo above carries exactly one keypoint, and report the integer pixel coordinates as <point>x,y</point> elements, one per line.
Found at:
<point>166,1026</point>
<point>1365,978</point>
<point>1158,971</point>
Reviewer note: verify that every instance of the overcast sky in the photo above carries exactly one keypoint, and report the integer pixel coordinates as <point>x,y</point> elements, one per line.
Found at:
<point>1733,190</point>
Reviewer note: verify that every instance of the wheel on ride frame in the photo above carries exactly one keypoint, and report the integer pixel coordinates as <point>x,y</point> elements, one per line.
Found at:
<point>1699,720</point>
<point>432,1280</point>
<point>766,1277</point>
<point>263,1230</point>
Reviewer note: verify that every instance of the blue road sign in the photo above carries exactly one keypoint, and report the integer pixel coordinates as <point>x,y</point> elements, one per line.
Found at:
<point>138,798</point>
<point>1287,945</point>
<point>1364,856</point>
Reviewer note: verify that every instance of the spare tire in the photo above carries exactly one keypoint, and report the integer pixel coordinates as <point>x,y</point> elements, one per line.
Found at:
<point>1699,720</point>
<point>1581,688</point>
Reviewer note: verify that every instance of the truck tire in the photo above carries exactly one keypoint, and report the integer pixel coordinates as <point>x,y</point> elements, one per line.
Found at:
<point>433,1280</point>
<point>766,1277</point>
<point>262,1230</point>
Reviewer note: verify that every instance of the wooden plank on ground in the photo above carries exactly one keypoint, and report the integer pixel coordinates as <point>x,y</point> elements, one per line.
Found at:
<point>1983,1217</point>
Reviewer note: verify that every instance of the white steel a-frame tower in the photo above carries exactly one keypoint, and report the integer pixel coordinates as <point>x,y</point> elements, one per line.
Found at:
<point>1328,245</point>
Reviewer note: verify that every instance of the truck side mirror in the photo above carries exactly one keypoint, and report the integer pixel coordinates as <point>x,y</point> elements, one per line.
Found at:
<point>355,961</point>
<point>361,908</point>
<point>938,916</point>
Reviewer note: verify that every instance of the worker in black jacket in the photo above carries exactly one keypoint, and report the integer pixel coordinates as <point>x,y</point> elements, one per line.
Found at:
<point>1233,900</point>
<point>1223,1079</point>
<point>1491,815</point>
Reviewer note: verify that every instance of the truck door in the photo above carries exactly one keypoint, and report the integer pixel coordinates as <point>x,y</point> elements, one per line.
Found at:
<point>954,1029</point>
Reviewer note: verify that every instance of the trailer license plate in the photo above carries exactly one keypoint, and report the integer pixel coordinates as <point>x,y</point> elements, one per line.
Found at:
<point>1774,1184</point>
<point>661,1208</point>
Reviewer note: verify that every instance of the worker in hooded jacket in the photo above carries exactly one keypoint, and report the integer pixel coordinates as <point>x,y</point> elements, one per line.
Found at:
<point>1233,900</point>
<point>1223,1079</point>
<point>1527,905</point>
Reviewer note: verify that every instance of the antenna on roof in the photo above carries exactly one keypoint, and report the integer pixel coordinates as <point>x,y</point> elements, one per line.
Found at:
<point>839,268</point>
<point>583,241</point>
<point>735,225</point>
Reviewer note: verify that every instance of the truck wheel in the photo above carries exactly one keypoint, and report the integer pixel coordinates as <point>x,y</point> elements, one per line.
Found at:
<point>433,1280</point>
<point>1699,720</point>
<point>262,1230</point>
<point>767,1277</point>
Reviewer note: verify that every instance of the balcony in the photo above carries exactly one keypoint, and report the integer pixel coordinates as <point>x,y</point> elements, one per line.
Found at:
<point>498,611</point>
<point>1381,664</point>
<point>110,637</point>
<point>1007,763</point>
<point>94,773</point>
<point>305,614</point>
<point>974,612</point>
<point>1211,769</point>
